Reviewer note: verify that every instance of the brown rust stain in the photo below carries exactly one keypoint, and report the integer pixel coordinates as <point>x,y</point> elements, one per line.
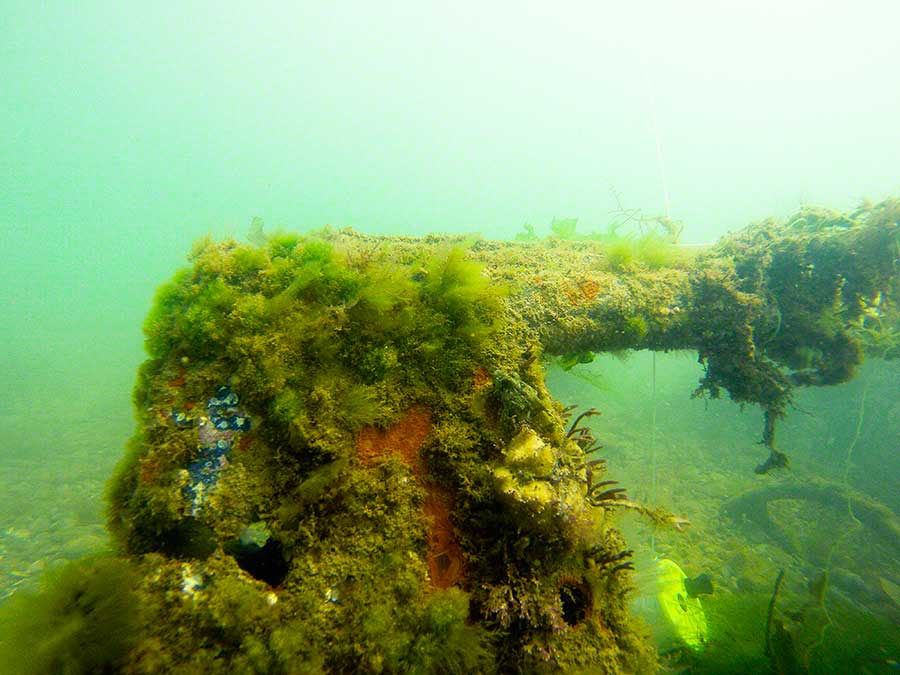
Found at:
<point>481,378</point>
<point>404,440</point>
<point>149,470</point>
<point>582,291</point>
<point>178,380</point>
<point>445,556</point>
<point>589,288</point>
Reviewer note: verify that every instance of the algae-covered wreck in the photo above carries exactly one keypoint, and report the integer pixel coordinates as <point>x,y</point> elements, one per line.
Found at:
<point>347,459</point>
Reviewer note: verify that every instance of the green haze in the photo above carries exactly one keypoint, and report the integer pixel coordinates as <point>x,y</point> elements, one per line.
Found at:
<point>128,130</point>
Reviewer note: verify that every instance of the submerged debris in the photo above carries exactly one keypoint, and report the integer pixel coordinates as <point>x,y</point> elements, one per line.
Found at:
<point>409,491</point>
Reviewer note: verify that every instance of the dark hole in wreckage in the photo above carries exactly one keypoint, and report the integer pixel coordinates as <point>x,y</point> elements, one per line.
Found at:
<point>576,599</point>
<point>267,563</point>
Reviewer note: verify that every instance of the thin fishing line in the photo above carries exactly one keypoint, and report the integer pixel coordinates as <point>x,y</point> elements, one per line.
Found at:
<point>848,457</point>
<point>661,169</point>
<point>652,443</point>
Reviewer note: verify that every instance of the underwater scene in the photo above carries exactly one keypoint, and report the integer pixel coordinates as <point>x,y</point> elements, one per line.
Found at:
<point>398,338</point>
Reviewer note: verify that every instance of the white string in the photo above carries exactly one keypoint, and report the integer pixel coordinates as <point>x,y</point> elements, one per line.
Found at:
<point>653,445</point>
<point>661,168</point>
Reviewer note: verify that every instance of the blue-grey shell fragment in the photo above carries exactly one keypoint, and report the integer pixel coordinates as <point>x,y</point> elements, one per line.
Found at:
<point>182,419</point>
<point>217,434</point>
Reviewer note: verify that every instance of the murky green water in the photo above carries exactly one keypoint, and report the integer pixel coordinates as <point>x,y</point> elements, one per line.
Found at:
<point>702,454</point>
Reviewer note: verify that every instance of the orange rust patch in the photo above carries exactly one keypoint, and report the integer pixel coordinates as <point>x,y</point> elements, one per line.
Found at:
<point>590,289</point>
<point>582,291</point>
<point>480,378</point>
<point>178,381</point>
<point>149,470</point>
<point>404,440</point>
<point>445,556</point>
